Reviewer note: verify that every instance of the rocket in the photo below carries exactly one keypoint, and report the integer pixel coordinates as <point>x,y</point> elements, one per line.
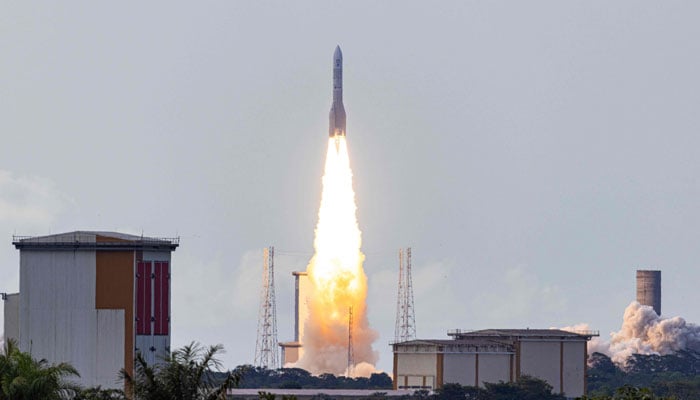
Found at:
<point>337,114</point>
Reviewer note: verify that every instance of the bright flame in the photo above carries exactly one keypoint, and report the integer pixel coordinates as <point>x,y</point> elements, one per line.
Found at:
<point>338,281</point>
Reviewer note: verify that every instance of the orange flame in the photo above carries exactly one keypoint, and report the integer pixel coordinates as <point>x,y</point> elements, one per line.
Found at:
<point>338,281</point>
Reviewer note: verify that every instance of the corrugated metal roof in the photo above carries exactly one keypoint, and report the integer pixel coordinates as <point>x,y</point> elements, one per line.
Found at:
<point>520,332</point>
<point>93,239</point>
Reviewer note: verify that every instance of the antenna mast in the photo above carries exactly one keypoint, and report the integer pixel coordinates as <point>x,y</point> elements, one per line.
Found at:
<point>266,343</point>
<point>405,328</point>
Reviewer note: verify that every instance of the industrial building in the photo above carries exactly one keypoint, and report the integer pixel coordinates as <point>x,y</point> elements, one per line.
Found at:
<point>293,351</point>
<point>92,299</point>
<point>474,357</point>
<point>649,289</point>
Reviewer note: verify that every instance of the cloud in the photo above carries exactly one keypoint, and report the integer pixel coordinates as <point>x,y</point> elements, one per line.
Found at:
<point>214,284</point>
<point>644,332</point>
<point>29,202</point>
<point>522,296</point>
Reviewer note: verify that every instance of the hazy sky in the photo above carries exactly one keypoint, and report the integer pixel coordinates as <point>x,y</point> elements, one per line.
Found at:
<point>533,154</point>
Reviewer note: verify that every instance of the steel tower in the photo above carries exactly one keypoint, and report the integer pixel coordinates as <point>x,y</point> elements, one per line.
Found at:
<point>405,328</point>
<point>266,343</point>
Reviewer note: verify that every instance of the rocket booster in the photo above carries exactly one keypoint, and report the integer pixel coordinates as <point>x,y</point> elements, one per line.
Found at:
<point>337,114</point>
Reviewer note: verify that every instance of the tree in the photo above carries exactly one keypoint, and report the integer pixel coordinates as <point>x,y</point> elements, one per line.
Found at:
<point>450,391</point>
<point>184,375</point>
<point>23,377</point>
<point>628,392</point>
<point>97,393</point>
<point>525,388</point>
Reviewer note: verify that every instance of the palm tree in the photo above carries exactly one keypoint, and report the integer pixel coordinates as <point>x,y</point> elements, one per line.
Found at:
<point>24,378</point>
<point>184,375</point>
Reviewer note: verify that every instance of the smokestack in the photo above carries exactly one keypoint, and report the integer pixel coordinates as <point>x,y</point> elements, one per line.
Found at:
<point>649,289</point>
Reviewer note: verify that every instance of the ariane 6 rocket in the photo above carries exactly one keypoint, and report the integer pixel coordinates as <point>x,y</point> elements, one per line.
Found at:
<point>337,115</point>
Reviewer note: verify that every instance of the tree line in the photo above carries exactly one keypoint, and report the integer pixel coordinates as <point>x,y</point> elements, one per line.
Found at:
<point>194,372</point>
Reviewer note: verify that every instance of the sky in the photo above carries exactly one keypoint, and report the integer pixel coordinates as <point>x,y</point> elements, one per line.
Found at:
<point>532,154</point>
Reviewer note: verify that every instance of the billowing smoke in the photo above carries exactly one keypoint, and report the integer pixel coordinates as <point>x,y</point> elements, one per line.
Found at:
<point>338,281</point>
<point>644,332</point>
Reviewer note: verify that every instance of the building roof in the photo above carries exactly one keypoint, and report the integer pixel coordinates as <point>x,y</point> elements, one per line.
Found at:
<point>91,240</point>
<point>521,333</point>
<point>467,345</point>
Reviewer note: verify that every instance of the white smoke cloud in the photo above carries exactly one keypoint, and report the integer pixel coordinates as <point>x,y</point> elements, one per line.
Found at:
<point>364,370</point>
<point>644,332</point>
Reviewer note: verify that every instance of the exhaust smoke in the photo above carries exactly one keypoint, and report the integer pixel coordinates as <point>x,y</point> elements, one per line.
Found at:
<point>338,281</point>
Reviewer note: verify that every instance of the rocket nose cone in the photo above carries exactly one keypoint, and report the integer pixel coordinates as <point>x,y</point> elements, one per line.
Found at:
<point>338,54</point>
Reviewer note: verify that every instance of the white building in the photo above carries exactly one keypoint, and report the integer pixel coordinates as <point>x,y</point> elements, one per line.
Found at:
<point>472,358</point>
<point>92,299</point>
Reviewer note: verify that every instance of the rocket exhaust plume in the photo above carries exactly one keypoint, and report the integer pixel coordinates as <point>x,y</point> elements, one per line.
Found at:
<point>338,281</point>
<point>645,332</point>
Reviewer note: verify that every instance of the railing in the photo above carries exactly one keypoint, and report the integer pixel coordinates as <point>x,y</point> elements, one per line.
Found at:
<point>86,238</point>
<point>582,332</point>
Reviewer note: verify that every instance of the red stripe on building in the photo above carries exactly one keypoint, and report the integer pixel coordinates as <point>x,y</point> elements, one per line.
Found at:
<point>157,299</point>
<point>140,296</point>
<point>148,314</point>
<point>165,292</point>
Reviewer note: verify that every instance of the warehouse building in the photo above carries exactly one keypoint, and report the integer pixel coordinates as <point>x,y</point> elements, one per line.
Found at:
<point>93,299</point>
<point>474,357</point>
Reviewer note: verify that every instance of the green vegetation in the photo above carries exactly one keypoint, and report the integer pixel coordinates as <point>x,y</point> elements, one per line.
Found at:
<point>296,378</point>
<point>674,376</point>
<point>194,373</point>
<point>184,375</point>
<point>525,388</point>
<point>24,378</point>
<point>629,393</point>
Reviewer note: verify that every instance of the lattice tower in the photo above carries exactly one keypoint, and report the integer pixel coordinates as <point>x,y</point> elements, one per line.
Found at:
<point>266,343</point>
<point>405,328</point>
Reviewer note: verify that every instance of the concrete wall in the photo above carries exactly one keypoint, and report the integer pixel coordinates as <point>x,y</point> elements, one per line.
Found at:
<point>475,369</point>
<point>11,317</point>
<point>494,368</point>
<point>542,359</point>
<point>560,362</point>
<point>649,289</point>
<point>460,368</point>
<point>574,374</point>
<point>416,370</point>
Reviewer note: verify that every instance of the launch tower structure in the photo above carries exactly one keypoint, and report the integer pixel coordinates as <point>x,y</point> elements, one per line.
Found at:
<point>405,328</point>
<point>266,343</point>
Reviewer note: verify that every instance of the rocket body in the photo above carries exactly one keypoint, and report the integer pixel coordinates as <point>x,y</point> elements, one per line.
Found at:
<point>337,114</point>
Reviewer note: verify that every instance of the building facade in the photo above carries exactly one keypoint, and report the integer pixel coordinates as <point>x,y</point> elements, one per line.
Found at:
<point>95,300</point>
<point>472,358</point>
